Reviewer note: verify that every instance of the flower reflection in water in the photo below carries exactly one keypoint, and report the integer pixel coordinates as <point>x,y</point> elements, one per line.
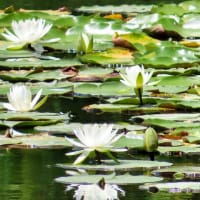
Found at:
<point>99,191</point>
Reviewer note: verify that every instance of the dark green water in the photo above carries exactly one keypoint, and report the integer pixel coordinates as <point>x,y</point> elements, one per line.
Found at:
<point>29,175</point>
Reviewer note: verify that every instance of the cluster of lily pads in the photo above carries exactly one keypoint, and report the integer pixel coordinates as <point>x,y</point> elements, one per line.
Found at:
<point>144,65</point>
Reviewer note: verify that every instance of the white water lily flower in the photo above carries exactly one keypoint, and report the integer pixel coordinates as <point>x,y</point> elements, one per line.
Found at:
<point>131,77</point>
<point>94,138</point>
<point>27,31</point>
<point>136,77</point>
<point>20,99</point>
<point>95,192</point>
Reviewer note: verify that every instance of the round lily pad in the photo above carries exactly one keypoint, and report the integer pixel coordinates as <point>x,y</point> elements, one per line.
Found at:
<point>116,179</point>
<point>176,187</point>
<point>123,165</point>
<point>191,172</point>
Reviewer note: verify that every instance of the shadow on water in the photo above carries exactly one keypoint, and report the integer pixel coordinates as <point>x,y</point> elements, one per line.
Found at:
<point>75,108</point>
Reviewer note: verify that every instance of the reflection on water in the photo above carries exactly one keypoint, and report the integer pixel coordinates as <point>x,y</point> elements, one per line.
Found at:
<point>98,191</point>
<point>29,175</point>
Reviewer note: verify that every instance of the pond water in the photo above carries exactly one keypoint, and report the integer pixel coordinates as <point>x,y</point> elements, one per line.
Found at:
<point>28,174</point>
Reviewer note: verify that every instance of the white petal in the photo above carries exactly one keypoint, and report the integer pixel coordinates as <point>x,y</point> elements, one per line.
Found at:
<point>36,98</point>
<point>75,143</point>
<point>82,157</point>
<point>74,153</point>
<point>8,106</point>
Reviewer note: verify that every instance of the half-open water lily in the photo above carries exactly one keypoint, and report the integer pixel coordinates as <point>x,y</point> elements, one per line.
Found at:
<point>27,31</point>
<point>85,44</point>
<point>95,138</point>
<point>136,77</point>
<point>20,99</point>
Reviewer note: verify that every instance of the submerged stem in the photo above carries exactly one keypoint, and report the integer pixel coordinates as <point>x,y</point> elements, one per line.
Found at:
<point>140,95</point>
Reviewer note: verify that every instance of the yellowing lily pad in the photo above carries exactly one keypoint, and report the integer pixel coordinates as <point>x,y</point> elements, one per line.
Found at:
<point>110,56</point>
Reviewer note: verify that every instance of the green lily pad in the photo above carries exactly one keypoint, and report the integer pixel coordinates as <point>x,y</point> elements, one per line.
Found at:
<point>169,9</point>
<point>126,109</point>
<point>115,9</point>
<point>34,141</point>
<point>47,88</point>
<point>37,75</point>
<point>109,88</point>
<point>189,172</point>
<point>179,120</point>
<point>167,55</point>
<point>25,119</point>
<point>171,116</point>
<point>125,179</point>
<point>127,165</point>
<point>68,128</point>
<point>38,63</point>
<point>191,149</point>
<point>176,187</point>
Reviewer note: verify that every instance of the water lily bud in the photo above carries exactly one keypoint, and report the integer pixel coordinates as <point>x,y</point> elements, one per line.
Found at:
<point>85,44</point>
<point>150,140</point>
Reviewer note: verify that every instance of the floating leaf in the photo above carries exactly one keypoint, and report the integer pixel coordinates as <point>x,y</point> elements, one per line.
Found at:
<point>117,179</point>
<point>188,149</point>
<point>109,165</point>
<point>24,119</point>
<point>176,187</point>
<point>110,56</point>
<point>136,40</point>
<point>126,109</point>
<point>35,141</point>
<point>115,9</point>
<point>167,55</point>
<point>191,172</point>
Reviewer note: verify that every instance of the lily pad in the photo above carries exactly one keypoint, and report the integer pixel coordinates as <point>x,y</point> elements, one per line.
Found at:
<point>115,9</point>
<point>176,187</point>
<point>123,165</point>
<point>125,179</point>
<point>38,63</point>
<point>25,119</point>
<point>191,149</point>
<point>110,56</point>
<point>136,40</point>
<point>167,55</point>
<point>34,141</point>
<point>68,128</point>
<point>125,109</point>
<point>188,172</point>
